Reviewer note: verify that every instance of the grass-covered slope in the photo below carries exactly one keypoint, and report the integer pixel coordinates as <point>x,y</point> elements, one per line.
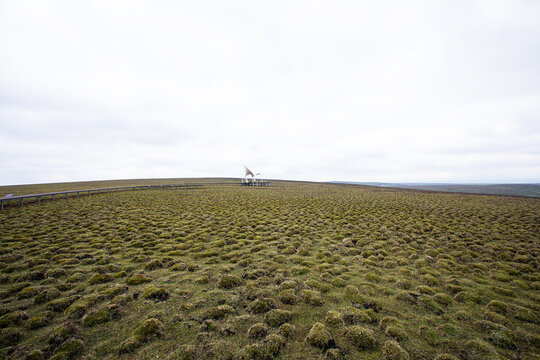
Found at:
<point>528,190</point>
<point>296,271</point>
<point>81,185</point>
<point>532,190</point>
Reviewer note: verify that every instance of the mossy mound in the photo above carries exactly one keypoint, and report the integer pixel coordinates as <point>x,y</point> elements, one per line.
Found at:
<point>333,318</point>
<point>184,352</point>
<point>35,354</point>
<point>360,337</point>
<point>277,317</point>
<point>386,321</point>
<point>351,292</point>
<point>494,317</point>
<point>13,318</point>
<point>257,331</point>
<point>489,325</point>
<point>28,292</point>
<point>312,297</point>
<point>61,304</point>
<point>137,279</point>
<point>504,338</point>
<point>467,296</point>
<point>46,295</point>
<point>77,309</point>
<point>288,285</point>
<point>317,285</point>
<point>429,303</point>
<point>319,336</point>
<point>154,264</point>
<point>524,314</point>
<point>204,279</point>
<point>354,316</point>
<point>462,315</point>
<point>446,357</point>
<point>480,350</point>
<point>288,297</point>
<point>9,337</point>
<point>38,321</point>
<point>333,354</point>
<point>100,279</point>
<point>426,290</point>
<point>287,330</point>
<point>149,330</point>
<point>62,333</point>
<point>405,284</point>
<point>396,332</point>
<point>229,281</point>
<point>208,325</point>
<point>100,316</point>
<point>76,277</point>
<point>178,267</point>
<point>497,306</point>
<point>274,343</point>
<point>68,350</point>
<point>112,291</point>
<point>260,306</point>
<point>393,351</point>
<point>442,298</point>
<point>129,345</point>
<point>219,312</point>
<point>339,282</point>
<point>154,293</point>
<point>268,349</point>
<point>429,280</point>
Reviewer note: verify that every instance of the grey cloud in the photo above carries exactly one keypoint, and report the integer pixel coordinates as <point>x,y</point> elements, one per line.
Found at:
<point>365,91</point>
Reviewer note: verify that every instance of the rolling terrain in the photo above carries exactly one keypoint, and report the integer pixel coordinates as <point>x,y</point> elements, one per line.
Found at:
<point>527,190</point>
<point>293,271</point>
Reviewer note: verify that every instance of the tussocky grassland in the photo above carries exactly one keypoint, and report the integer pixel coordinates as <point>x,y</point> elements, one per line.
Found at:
<point>293,271</point>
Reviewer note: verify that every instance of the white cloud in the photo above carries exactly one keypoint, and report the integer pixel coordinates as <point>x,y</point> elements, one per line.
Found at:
<point>314,90</point>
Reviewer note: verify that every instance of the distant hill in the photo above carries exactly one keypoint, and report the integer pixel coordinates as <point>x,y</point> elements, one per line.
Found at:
<point>530,190</point>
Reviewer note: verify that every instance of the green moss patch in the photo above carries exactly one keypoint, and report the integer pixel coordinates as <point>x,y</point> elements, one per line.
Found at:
<point>277,317</point>
<point>360,337</point>
<point>319,336</point>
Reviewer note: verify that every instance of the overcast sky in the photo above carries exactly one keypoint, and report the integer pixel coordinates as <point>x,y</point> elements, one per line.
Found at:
<point>390,91</point>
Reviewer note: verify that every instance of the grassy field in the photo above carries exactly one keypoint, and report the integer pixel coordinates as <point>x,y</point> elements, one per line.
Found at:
<point>527,190</point>
<point>532,190</point>
<point>294,271</point>
<point>81,185</point>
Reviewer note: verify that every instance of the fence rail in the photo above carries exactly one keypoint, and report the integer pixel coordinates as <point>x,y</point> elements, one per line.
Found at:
<point>53,195</point>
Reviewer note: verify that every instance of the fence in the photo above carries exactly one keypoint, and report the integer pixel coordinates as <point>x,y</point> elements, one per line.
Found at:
<point>53,195</point>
